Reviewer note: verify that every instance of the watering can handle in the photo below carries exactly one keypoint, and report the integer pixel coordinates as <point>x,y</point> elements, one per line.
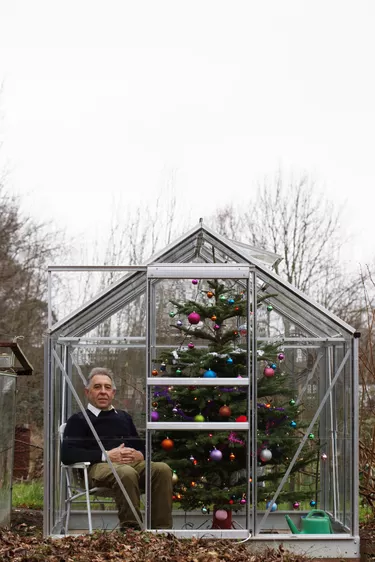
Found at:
<point>319,512</point>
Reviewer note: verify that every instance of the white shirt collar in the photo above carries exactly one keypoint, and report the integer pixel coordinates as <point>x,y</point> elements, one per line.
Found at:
<point>96,411</point>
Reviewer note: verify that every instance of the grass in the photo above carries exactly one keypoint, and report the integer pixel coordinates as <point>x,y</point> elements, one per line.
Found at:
<point>27,495</point>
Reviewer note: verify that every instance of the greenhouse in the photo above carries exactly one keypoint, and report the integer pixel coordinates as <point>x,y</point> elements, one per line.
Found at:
<point>244,386</point>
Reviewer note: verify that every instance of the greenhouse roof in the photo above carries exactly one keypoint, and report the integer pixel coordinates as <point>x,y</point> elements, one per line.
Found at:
<point>203,245</point>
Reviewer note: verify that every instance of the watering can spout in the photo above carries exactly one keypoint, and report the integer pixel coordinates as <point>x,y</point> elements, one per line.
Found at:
<point>292,526</point>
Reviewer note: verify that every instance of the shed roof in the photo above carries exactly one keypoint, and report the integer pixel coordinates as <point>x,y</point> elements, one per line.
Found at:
<point>202,244</point>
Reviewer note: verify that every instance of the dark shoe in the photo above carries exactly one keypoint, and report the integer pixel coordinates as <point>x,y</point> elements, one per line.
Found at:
<point>126,526</point>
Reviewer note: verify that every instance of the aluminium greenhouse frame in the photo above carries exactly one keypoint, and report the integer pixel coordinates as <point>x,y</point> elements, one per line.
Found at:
<point>324,330</point>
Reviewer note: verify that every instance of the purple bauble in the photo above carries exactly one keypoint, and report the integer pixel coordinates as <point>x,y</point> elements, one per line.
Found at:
<point>295,505</point>
<point>242,501</point>
<point>195,281</point>
<point>216,327</point>
<point>194,318</point>
<point>154,416</point>
<point>178,323</point>
<point>281,356</point>
<point>191,345</point>
<point>216,455</point>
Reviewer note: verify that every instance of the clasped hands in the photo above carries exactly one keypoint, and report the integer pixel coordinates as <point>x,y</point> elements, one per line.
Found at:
<point>124,455</point>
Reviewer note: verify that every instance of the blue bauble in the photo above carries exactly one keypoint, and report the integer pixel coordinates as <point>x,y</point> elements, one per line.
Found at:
<point>273,366</point>
<point>230,301</point>
<point>293,424</point>
<point>274,506</point>
<point>229,360</point>
<point>209,374</point>
<point>313,503</point>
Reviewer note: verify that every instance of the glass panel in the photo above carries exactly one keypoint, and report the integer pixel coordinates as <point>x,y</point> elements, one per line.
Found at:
<point>210,482</point>
<point>8,410</point>
<point>292,384</point>
<point>199,331</point>
<point>286,402</point>
<point>299,311</point>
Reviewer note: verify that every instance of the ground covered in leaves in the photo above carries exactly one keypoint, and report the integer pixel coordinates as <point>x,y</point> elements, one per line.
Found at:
<point>23,542</point>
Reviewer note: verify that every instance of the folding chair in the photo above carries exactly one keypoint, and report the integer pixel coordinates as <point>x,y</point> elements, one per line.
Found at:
<point>77,485</point>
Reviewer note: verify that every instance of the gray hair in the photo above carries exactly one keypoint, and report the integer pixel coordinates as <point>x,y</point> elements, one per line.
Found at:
<point>101,371</point>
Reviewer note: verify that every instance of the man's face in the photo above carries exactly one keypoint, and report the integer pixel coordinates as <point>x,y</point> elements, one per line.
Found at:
<point>100,393</point>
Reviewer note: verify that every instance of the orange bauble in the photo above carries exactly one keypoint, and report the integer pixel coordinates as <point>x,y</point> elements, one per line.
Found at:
<point>154,373</point>
<point>210,294</point>
<point>167,444</point>
<point>225,411</point>
<point>213,318</point>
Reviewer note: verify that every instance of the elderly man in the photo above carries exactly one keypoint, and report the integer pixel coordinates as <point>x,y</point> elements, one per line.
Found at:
<point>125,450</point>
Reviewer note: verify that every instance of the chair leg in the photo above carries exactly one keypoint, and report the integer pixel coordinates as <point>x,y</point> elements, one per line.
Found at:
<point>67,501</point>
<point>88,500</point>
<point>68,504</point>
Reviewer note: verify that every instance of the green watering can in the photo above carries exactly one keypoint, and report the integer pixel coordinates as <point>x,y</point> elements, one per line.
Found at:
<point>316,522</point>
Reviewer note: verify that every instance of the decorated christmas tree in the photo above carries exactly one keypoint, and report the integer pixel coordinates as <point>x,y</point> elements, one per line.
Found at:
<point>210,466</point>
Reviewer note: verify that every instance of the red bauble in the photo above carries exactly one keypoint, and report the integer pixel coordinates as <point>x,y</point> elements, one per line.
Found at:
<point>167,444</point>
<point>154,373</point>
<point>225,411</point>
<point>194,318</point>
<point>241,419</point>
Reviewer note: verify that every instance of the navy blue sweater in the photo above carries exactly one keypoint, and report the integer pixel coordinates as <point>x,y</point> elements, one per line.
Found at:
<point>113,427</point>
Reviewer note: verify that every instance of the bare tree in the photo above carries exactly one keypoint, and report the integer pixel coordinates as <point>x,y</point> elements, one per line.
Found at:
<point>297,222</point>
<point>26,247</point>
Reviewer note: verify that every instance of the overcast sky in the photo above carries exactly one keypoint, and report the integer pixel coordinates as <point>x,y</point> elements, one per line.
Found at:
<point>104,101</point>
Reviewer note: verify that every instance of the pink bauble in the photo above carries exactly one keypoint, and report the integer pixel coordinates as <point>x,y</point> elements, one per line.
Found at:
<point>281,356</point>
<point>221,515</point>
<point>242,501</point>
<point>195,281</point>
<point>268,372</point>
<point>295,505</point>
<point>194,318</point>
<point>216,327</point>
<point>243,330</point>
<point>191,345</point>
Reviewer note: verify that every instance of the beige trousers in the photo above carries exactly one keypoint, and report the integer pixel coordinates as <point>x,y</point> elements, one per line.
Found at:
<point>133,478</point>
